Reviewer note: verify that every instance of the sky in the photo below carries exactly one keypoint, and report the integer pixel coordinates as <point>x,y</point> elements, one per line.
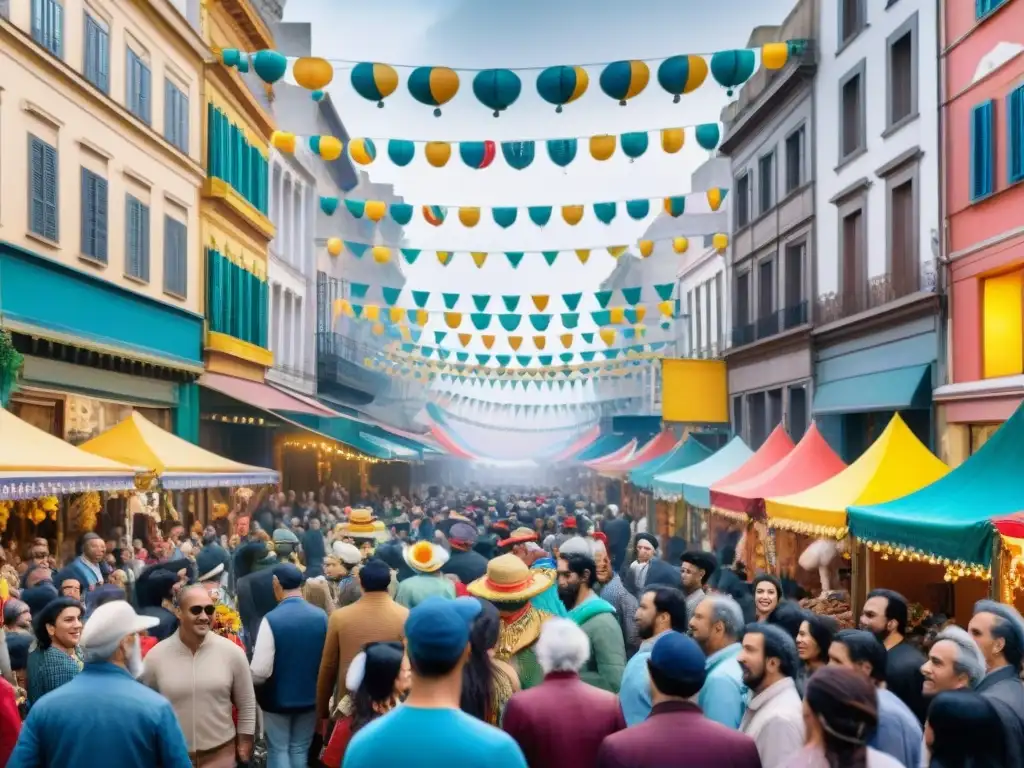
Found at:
<point>480,34</point>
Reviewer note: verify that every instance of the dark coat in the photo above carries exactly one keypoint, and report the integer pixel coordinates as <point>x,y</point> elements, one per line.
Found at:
<point>618,534</point>
<point>314,547</point>
<point>677,735</point>
<point>1004,689</point>
<point>659,574</point>
<point>256,599</point>
<point>562,722</point>
<point>468,566</point>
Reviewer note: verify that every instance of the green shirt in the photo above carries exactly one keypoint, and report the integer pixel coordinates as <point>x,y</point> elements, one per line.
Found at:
<point>416,589</point>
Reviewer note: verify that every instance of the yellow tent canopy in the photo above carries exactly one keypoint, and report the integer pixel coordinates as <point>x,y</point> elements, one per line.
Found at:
<point>34,463</point>
<point>179,463</point>
<point>895,465</point>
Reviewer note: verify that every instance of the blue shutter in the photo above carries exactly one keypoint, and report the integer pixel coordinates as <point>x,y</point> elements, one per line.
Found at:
<point>131,229</point>
<point>88,192</point>
<point>170,124</point>
<point>131,83</point>
<point>183,122</point>
<point>145,100</point>
<point>982,150</point>
<point>103,59</point>
<point>1015,134</point>
<point>48,25</point>
<point>50,217</point>
<point>96,54</point>
<point>37,210</point>
<point>983,8</point>
<point>100,218</point>
<point>144,234</point>
<point>57,33</point>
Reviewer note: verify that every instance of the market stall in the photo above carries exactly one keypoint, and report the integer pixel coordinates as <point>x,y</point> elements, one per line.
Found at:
<point>620,454</point>
<point>659,445</point>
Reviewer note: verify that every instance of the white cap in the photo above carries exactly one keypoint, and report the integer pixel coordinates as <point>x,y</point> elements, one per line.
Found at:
<point>347,553</point>
<point>111,622</point>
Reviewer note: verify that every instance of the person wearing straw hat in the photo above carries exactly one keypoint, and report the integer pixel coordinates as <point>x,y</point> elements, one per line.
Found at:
<point>364,530</point>
<point>522,543</point>
<point>426,559</point>
<point>511,586</point>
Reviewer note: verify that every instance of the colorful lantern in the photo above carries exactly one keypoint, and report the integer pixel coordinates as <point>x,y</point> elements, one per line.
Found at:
<point>602,147</point>
<point>675,206</point>
<point>672,140</point>
<point>433,86</point>
<point>477,154</point>
<point>715,196</point>
<point>283,141</point>
<point>562,151</point>
<point>327,147</point>
<point>732,68</point>
<point>518,154</point>
<point>438,153</point>
<point>774,55</point>
<point>572,214</point>
<point>682,74</point>
<point>622,80</point>
<point>434,214</point>
<point>401,152</point>
<point>269,65</point>
<point>497,89</point>
<point>334,246</point>
<point>680,244</point>
<point>375,210</point>
<point>646,248</point>
<point>708,135</point>
<point>562,85</point>
<point>634,144</point>
<point>720,242</point>
<point>313,73</point>
<point>362,151</point>
<point>381,254</point>
<point>638,209</point>
<point>469,217</point>
<point>373,81</point>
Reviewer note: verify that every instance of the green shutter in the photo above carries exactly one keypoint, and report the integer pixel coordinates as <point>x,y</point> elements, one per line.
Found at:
<point>264,312</point>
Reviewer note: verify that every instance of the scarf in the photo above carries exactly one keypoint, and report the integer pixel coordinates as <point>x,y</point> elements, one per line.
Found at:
<point>589,608</point>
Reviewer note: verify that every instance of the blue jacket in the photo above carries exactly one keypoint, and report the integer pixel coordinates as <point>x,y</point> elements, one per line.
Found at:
<point>724,696</point>
<point>85,575</point>
<point>102,718</point>
<point>300,631</point>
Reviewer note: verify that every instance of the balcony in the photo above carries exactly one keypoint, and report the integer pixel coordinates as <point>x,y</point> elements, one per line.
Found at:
<point>340,372</point>
<point>879,291</point>
<point>771,324</point>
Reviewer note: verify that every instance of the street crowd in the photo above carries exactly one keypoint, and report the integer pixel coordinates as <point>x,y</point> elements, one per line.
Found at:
<point>475,628</point>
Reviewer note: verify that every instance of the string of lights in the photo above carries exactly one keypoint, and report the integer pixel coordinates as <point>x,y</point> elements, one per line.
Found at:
<point>336,451</point>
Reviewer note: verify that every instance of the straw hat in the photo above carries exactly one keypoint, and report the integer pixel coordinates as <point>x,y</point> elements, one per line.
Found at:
<point>425,556</point>
<point>363,524</point>
<point>508,580</point>
<point>519,536</point>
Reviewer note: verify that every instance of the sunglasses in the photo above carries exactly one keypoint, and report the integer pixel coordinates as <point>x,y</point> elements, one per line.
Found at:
<point>195,610</point>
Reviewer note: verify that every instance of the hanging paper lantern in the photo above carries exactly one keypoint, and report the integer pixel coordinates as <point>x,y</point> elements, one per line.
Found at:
<point>318,96</point>
<point>381,255</point>
<point>774,55</point>
<point>375,210</point>
<point>638,209</point>
<point>518,154</point>
<point>680,244</point>
<point>634,144</point>
<point>270,66</point>
<point>313,73</point>
<point>401,213</point>
<point>715,197</point>
<point>646,248</point>
<point>438,153</point>
<point>363,151</point>
<point>675,206</point>
<point>708,135</point>
<point>283,141</point>
<point>622,80</point>
<point>732,68</point>
<point>230,57</point>
<point>682,74</point>
<point>329,205</point>
<point>562,85</point>
<point>327,147</point>
<point>672,140</point>
<point>434,214</point>
<point>572,214</point>
<point>433,86</point>
<point>469,217</point>
<point>539,214</point>
<point>497,89</point>
<point>401,152</point>
<point>477,154</point>
<point>505,217</point>
<point>373,81</point>
<point>720,242</point>
<point>561,151</point>
<point>334,246</point>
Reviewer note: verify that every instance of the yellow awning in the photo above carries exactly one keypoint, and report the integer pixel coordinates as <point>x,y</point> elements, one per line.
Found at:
<point>895,465</point>
<point>179,463</point>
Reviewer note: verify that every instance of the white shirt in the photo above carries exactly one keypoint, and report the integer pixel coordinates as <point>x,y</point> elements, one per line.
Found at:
<point>262,664</point>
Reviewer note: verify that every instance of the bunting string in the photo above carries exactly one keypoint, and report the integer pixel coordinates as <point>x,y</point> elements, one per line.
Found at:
<point>443,360</point>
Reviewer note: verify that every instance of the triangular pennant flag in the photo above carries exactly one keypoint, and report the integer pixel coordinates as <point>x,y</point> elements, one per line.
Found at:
<point>565,357</point>
<point>617,250</point>
<point>422,316</point>
<point>540,342</point>
<point>601,317</point>
<point>570,319</point>
<point>524,360</point>
<point>503,383</point>
<point>627,333</point>
<point>511,302</point>
<point>640,313</point>
<point>356,249</point>
<point>462,357</point>
<point>632,295</point>
<point>572,300</point>
<point>450,299</point>
<point>371,312</point>
<point>587,356</point>
<point>355,207</point>
<point>545,360</point>
<point>439,336</point>
<point>514,257</point>
<point>444,257</point>
<point>605,212</point>
<point>583,254</point>
<point>540,214</point>
<point>646,248</point>
<point>453,319</point>
<point>465,338</point>
<point>483,359</point>
<point>510,322</point>
<point>503,360</point>
<point>588,338</point>
<point>540,302</point>
<point>359,290</point>
<point>667,308</point>
<point>609,354</point>
<point>540,322</point>
<point>410,255</point>
<point>390,294</point>
<point>561,384</point>
<point>616,316</point>
<point>480,301</point>
<point>515,342</point>
<point>603,297</point>
<point>420,298</point>
<point>479,258</point>
<point>550,256</point>
<point>664,290</point>
<point>481,320</point>
<point>487,340</point>
<point>566,339</point>
<point>396,314</point>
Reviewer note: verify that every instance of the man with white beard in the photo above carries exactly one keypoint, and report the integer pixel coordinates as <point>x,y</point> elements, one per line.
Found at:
<point>104,716</point>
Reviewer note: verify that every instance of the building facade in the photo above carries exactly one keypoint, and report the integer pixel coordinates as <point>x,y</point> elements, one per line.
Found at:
<point>771,141</point>
<point>101,267</point>
<point>983,204</point>
<point>876,199</point>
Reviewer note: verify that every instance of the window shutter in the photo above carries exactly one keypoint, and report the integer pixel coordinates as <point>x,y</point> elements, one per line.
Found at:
<point>144,95</point>
<point>100,218</point>
<point>169,112</point>
<point>1015,134</point>
<point>88,193</point>
<point>131,237</point>
<point>90,49</point>
<point>132,84</point>
<point>50,192</point>
<point>183,127</point>
<point>39,10</point>
<point>144,250</point>
<point>58,28</point>
<point>982,154</point>
<point>37,215</point>
<point>103,59</point>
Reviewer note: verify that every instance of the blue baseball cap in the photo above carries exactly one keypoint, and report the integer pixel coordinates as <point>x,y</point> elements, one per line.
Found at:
<point>438,628</point>
<point>679,658</point>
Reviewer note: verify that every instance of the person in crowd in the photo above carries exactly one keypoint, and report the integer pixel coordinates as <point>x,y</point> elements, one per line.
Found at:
<point>999,632</point>
<point>648,568</point>
<point>610,588</point>
<point>314,548</point>
<point>204,675</point>
<point>430,730</point>
<point>696,568</point>
<point>378,680</point>
<point>813,639</point>
<point>562,722</point>
<point>316,591</point>
<point>374,617</point>
<point>964,730</point>
<point>840,712</point>
<point>340,568</point>
<point>487,683</point>
<point>285,662</point>
<point>774,716</point>
<point>19,637</point>
<point>38,588</point>
<point>10,721</point>
<point>577,577</point>
<point>68,584</point>
<point>104,717</point>
<point>788,617</point>
<point>522,543</point>
<point>885,614</point>
<point>87,567</point>
<point>717,626</point>
<point>897,731</point>
<point>55,660</point>
<point>255,590</point>
<point>426,559</point>
<point>954,663</point>
<point>616,527</point>
<point>767,590</point>
<point>155,591</point>
<point>464,562</point>
<point>676,734</point>
<point>661,610</point>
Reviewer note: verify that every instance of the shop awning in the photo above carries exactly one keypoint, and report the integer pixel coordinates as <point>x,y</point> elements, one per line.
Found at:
<point>659,445</point>
<point>772,451</point>
<point>688,452</point>
<point>604,445</point>
<point>893,390</point>
<point>896,464</point>
<point>262,396</point>
<point>178,463</point>
<point>34,463</point>
<point>341,429</point>
<point>576,444</point>
<point>811,462</point>
<point>694,483</point>
<point>620,454</point>
<point>955,517</point>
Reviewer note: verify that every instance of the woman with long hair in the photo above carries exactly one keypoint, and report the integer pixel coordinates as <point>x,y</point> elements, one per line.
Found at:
<point>767,591</point>
<point>378,679</point>
<point>487,683</point>
<point>840,715</point>
<point>964,730</point>
<point>813,640</point>
<point>55,659</point>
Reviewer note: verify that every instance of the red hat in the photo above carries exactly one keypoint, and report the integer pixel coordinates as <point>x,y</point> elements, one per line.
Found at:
<point>519,536</point>
<point>600,536</point>
<point>569,522</point>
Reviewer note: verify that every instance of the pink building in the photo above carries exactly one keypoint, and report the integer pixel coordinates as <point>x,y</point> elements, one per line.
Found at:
<point>983,169</point>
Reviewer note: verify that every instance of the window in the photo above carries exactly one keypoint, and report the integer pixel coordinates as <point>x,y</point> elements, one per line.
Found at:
<point>743,200</point>
<point>795,159</point>
<point>175,116</point>
<point>758,419</point>
<point>139,83</point>
<point>97,53</point>
<point>743,299</point>
<point>719,301</point>
<point>983,8</point>
<point>691,322</point>
<point>852,19</point>
<point>737,415</point>
<point>43,190</point>
<point>48,25</point>
<point>1015,134</point>
<point>903,255</point>
<point>766,182</point>
<point>797,416</point>
<point>795,310</point>
<point>94,216</point>
<point>766,288</point>
<point>698,341</point>
<point>136,228</point>
<point>853,278</point>
<point>175,257</point>
<point>901,103</point>
<point>851,104</point>
<point>982,150</point>
<point>774,409</point>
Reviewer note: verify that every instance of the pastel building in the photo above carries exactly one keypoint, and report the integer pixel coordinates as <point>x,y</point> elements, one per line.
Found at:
<point>983,204</point>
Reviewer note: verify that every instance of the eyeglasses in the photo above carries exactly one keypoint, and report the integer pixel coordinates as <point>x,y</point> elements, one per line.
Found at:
<point>195,610</point>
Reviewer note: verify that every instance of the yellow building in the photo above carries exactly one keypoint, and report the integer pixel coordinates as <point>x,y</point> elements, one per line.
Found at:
<point>236,232</point>
<point>101,174</point>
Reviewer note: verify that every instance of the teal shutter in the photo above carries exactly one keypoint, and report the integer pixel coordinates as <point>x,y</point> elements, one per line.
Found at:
<point>37,206</point>
<point>48,25</point>
<point>982,150</point>
<point>94,216</point>
<point>97,54</point>
<point>264,313</point>
<point>131,227</point>
<point>212,130</point>
<point>100,218</point>
<point>1015,134</point>
<point>983,8</point>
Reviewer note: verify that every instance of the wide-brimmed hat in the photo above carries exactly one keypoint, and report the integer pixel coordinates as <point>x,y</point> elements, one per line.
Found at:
<point>520,535</point>
<point>363,524</point>
<point>425,556</point>
<point>509,580</point>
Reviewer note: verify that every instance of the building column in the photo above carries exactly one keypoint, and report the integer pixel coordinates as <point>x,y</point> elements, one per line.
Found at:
<point>281,338</point>
<point>271,308</point>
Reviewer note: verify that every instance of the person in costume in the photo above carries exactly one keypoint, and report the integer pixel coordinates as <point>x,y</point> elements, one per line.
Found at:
<point>523,544</point>
<point>511,586</point>
<point>364,530</point>
<point>426,559</point>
